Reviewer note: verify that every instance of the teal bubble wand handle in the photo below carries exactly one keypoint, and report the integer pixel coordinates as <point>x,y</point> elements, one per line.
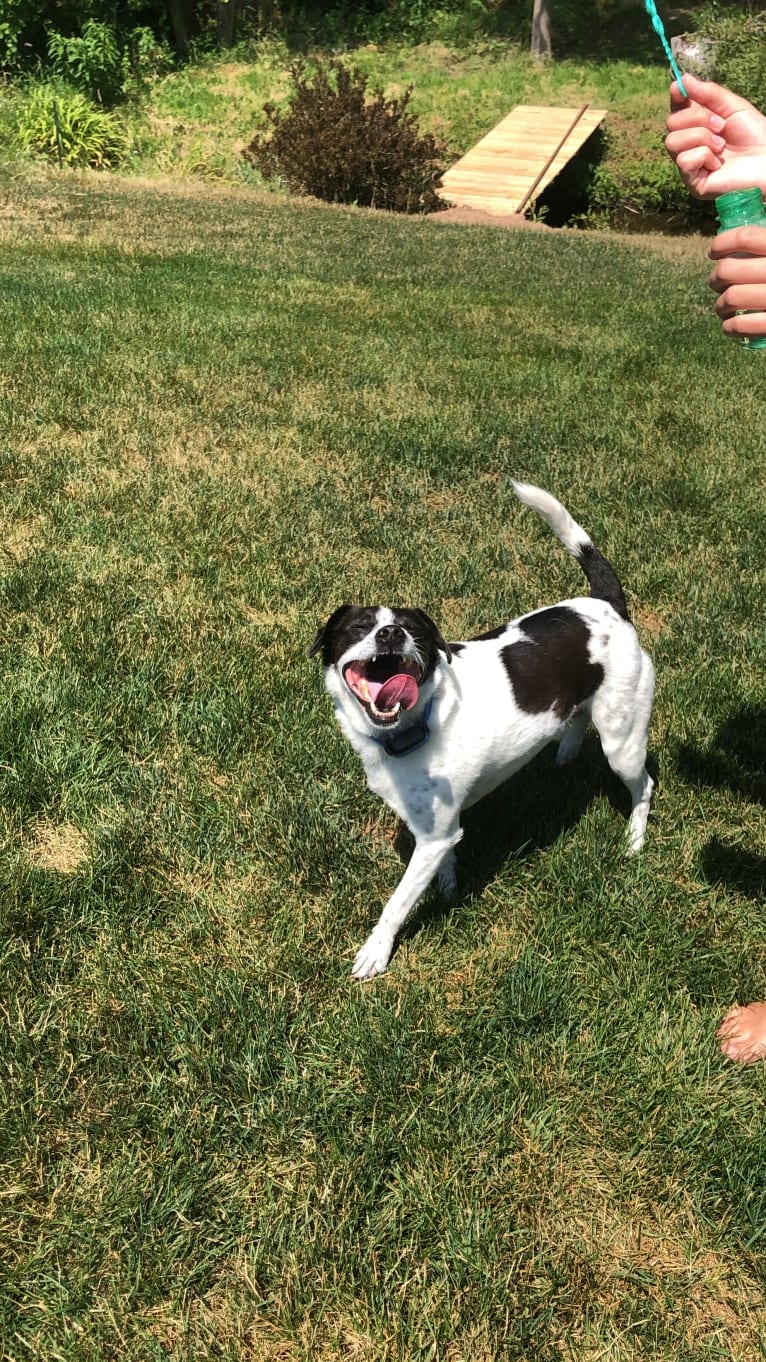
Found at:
<point>659,29</point>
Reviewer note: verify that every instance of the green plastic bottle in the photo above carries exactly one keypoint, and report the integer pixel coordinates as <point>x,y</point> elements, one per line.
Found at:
<point>742,208</point>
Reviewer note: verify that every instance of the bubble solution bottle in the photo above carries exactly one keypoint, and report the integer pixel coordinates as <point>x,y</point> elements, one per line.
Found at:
<point>742,208</point>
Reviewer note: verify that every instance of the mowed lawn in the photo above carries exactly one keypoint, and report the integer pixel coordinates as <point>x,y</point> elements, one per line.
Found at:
<point>222,415</point>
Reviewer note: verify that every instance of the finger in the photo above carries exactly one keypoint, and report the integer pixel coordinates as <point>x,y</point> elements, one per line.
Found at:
<point>691,116</point>
<point>688,139</point>
<point>741,298</point>
<point>677,98</point>
<point>740,241</point>
<point>747,324</point>
<point>739,269</point>
<point>716,98</point>
<point>690,163</point>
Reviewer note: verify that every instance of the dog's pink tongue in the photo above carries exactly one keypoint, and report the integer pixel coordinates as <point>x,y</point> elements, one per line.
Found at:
<point>401,689</point>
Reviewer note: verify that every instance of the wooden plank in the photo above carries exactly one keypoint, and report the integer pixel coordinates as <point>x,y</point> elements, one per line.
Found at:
<point>518,158</point>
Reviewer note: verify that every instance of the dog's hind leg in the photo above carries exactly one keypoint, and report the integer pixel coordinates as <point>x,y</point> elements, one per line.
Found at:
<point>429,858</point>
<point>446,876</point>
<point>572,741</point>
<point>623,738</point>
<point>641,795</point>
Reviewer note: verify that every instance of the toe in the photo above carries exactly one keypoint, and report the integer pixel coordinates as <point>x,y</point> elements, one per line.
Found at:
<point>371,960</point>
<point>742,1035</point>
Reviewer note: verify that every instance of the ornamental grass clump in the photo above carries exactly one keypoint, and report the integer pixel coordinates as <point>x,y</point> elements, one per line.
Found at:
<point>341,142</point>
<point>62,124</point>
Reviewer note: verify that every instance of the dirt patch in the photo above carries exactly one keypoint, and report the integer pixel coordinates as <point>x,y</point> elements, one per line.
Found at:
<point>480,218</point>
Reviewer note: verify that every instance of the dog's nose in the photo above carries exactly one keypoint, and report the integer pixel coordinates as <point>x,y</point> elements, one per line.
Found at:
<point>391,635</point>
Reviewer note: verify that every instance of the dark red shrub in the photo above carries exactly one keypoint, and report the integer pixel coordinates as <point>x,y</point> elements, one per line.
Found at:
<point>345,144</point>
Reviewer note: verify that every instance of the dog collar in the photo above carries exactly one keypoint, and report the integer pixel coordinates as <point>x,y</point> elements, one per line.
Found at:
<point>401,744</point>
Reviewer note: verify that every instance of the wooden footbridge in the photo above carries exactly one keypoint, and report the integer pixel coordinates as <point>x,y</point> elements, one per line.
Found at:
<point>509,168</point>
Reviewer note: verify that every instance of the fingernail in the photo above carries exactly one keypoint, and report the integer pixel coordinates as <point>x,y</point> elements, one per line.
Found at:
<point>718,143</point>
<point>717,123</point>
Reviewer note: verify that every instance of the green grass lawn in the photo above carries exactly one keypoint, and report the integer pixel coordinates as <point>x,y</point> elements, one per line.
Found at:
<point>222,415</point>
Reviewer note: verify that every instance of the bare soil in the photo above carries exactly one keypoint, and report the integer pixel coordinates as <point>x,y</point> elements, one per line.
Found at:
<point>480,218</point>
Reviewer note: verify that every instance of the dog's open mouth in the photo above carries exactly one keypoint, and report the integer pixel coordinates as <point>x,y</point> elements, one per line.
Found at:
<point>384,685</point>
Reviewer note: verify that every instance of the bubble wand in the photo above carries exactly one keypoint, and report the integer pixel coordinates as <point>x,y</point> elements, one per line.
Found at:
<point>659,29</point>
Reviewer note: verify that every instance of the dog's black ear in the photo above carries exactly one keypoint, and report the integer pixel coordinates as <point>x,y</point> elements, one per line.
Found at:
<point>326,630</point>
<point>432,629</point>
<point>318,641</point>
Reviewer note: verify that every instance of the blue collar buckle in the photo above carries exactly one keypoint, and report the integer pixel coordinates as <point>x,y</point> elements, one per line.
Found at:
<point>402,744</point>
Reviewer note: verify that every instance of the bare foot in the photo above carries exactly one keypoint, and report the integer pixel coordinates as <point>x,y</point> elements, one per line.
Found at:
<point>742,1033</point>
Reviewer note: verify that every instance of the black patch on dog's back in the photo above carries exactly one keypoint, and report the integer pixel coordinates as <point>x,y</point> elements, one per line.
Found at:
<point>549,668</point>
<point>491,633</point>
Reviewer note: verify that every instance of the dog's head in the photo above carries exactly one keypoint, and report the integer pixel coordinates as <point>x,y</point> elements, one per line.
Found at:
<point>379,660</point>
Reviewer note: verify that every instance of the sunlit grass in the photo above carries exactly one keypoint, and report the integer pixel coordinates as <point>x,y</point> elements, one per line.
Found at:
<point>223,414</point>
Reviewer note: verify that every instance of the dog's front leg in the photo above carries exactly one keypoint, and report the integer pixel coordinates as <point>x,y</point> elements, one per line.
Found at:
<point>426,860</point>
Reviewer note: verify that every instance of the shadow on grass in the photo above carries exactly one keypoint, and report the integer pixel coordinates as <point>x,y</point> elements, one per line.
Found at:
<point>735,867</point>
<point>736,757</point>
<point>735,760</point>
<point>521,818</point>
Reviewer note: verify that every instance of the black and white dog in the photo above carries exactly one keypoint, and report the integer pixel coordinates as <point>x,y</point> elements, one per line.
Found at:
<point>438,725</point>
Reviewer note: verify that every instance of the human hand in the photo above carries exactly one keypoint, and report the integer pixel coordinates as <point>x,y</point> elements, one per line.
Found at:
<point>739,279</point>
<point>716,138</point>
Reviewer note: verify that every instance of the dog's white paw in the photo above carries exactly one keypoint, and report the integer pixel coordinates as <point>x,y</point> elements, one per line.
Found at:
<point>374,956</point>
<point>636,839</point>
<point>640,815</point>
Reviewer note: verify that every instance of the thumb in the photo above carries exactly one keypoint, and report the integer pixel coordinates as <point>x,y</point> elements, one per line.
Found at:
<point>716,98</point>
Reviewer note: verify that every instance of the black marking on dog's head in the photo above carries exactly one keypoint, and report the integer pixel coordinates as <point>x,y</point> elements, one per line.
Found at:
<point>383,656</point>
<point>424,632</point>
<point>349,624</point>
<point>549,668</point>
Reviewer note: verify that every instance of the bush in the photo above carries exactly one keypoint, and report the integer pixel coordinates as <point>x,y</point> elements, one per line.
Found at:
<point>645,186</point>
<point>63,125</point>
<point>90,61</point>
<point>107,67</point>
<point>739,56</point>
<point>340,143</point>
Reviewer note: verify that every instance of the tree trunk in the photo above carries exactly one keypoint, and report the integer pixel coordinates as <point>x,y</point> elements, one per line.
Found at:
<point>226,21</point>
<point>540,46</point>
<point>178,24</point>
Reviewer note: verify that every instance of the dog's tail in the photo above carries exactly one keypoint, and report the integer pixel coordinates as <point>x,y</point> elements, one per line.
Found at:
<point>602,578</point>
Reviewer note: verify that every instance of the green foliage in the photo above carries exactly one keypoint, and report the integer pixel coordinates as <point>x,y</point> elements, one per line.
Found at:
<point>640,187</point>
<point>420,20</point>
<point>103,65</point>
<point>62,124</point>
<point>17,19</point>
<point>340,142</point>
<point>336,22</point>
<point>193,118</point>
<point>91,61</point>
<point>739,59</point>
